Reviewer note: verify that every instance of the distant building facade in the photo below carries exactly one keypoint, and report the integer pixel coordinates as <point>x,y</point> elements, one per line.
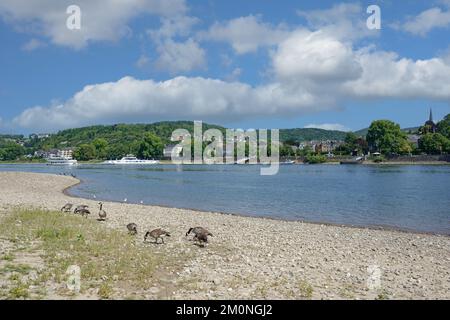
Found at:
<point>62,153</point>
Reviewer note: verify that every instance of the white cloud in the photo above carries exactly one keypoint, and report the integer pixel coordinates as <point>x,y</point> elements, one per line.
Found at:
<point>329,126</point>
<point>343,21</point>
<point>315,56</point>
<point>312,72</point>
<point>177,55</point>
<point>328,66</point>
<point>33,44</point>
<point>427,21</point>
<point>174,26</point>
<point>130,99</point>
<point>180,56</point>
<point>246,34</point>
<point>100,20</point>
<point>386,75</point>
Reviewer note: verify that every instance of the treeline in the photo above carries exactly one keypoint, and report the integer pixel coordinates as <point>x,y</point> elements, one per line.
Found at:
<point>386,137</point>
<point>148,140</point>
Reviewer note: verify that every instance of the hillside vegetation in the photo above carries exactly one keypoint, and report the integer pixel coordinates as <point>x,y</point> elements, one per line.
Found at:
<point>127,133</point>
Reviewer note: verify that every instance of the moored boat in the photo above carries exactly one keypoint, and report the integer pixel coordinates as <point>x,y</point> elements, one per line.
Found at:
<point>61,161</point>
<point>131,159</point>
<point>358,160</point>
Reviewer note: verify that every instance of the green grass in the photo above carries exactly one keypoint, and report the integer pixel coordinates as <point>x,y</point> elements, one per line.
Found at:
<point>18,268</point>
<point>19,290</point>
<point>67,240</point>
<point>305,289</point>
<point>8,257</point>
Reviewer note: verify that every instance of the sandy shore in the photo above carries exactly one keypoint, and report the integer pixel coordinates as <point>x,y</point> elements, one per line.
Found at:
<point>251,258</point>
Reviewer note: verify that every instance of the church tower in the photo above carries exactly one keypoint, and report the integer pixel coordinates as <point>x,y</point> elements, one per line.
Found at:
<point>430,126</point>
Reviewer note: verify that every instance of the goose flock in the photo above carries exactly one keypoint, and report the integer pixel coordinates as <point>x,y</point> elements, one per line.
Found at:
<point>200,234</point>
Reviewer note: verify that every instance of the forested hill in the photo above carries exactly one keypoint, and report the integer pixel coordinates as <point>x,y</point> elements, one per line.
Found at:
<point>118,133</point>
<point>129,133</point>
<point>308,134</point>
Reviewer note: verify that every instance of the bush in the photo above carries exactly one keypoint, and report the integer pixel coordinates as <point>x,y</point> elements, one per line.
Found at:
<point>315,159</point>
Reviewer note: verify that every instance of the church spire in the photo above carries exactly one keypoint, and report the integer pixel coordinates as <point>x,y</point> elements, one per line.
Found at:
<point>431,115</point>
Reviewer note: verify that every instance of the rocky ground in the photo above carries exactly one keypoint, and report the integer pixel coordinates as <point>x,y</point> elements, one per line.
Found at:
<point>254,258</point>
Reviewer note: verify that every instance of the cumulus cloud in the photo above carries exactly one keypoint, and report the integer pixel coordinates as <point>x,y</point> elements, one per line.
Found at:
<point>180,56</point>
<point>386,75</point>
<point>178,51</point>
<point>329,126</point>
<point>315,56</point>
<point>173,26</point>
<point>344,21</point>
<point>246,34</point>
<point>130,99</point>
<point>427,21</point>
<point>312,72</point>
<point>100,20</point>
<point>329,66</point>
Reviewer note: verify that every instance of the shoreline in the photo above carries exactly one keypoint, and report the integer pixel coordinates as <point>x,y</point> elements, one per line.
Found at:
<point>260,258</point>
<point>66,191</point>
<point>167,162</point>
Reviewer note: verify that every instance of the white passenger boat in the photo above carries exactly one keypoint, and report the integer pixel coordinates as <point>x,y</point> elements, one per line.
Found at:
<point>130,159</point>
<point>61,161</point>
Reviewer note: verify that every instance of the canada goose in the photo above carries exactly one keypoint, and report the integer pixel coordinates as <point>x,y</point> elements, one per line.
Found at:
<point>156,234</point>
<point>132,228</point>
<point>84,212</point>
<point>101,212</point>
<point>202,237</point>
<point>67,207</point>
<point>198,230</point>
<point>79,208</point>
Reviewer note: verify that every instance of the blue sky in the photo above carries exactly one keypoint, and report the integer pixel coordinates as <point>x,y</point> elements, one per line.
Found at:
<point>248,64</point>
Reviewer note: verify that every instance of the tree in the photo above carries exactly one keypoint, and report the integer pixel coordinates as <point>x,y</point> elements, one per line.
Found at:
<point>443,126</point>
<point>287,151</point>
<point>353,142</point>
<point>10,151</point>
<point>315,158</point>
<point>434,143</point>
<point>85,152</point>
<point>101,146</point>
<point>386,137</point>
<point>150,147</point>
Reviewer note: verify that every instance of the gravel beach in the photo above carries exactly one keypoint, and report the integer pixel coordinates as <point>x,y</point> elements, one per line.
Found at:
<point>255,258</point>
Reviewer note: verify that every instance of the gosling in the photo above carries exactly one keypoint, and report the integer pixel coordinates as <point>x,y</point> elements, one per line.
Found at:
<point>80,208</point>
<point>67,207</point>
<point>198,230</point>
<point>101,212</point>
<point>84,212</point>
<point>156,234</point>
<point>132,228</point>
<point>202,237</point>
